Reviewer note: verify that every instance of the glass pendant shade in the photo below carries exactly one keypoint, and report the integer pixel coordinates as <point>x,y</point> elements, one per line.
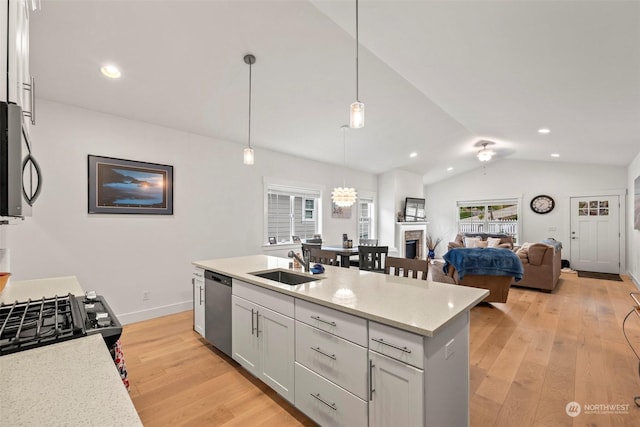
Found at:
<point>485,155</point>
<point>357,115</point>
<point>344,197</point>
<point>248,156</point>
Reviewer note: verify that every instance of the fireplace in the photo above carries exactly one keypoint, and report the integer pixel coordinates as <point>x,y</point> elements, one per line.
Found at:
<point>410,239</point>
<point>410,249</point>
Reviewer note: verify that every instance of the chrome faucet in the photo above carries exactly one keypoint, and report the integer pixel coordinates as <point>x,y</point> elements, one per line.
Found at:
<point>304,262</point>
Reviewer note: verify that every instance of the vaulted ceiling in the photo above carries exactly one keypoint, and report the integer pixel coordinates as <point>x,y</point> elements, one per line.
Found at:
<point>436,76</point>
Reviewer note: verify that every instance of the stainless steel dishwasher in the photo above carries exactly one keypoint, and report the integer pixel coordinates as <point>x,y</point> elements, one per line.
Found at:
<point>217,310</point>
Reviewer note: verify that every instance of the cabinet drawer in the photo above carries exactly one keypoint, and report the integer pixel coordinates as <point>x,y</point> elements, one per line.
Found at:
<point>344,325</point>
<point>397,344</point>
<point>275,301</point>
<point>336,359</point>
<point>198,272</point>
<point>326,403</point>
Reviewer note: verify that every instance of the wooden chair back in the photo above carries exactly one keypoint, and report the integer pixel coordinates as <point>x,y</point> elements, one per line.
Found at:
<point>408,266</point>
<point>372,258</point>
<point>368,242</point>
<point>317,255</point>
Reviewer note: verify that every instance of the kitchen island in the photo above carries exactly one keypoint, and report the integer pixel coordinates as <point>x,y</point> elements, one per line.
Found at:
<point>354,347</point>
<point>71,383</point>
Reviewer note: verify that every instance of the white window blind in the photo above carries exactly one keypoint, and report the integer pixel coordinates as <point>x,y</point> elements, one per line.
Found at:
<point>292,212</point>
<point>365,218</point>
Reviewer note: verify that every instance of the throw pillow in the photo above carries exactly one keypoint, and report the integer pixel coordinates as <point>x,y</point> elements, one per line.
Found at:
<point>471,242</point>
<point>493,242</point>
<point>482,244</point>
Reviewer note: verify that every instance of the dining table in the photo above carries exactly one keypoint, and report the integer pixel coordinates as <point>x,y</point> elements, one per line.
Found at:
<point>343,253</point>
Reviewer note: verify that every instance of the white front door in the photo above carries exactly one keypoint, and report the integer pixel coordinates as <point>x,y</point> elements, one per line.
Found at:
<point>595,233</point>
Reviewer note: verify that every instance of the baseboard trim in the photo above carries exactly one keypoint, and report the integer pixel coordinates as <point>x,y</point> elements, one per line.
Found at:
<point>634,280</point>
<point>152,313</point>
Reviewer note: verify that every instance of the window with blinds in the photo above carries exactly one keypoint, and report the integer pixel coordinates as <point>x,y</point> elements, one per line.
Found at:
<point>365,218</point>
<point>489,216</point>
<point>292,212</point>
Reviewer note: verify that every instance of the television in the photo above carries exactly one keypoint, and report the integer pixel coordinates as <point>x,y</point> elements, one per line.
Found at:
<point>414,209</point>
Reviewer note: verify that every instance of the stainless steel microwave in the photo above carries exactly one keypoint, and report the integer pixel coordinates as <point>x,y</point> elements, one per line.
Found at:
<point>20,177</point>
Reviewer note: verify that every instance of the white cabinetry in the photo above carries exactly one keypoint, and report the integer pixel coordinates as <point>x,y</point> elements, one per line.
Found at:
<point>331,365</point>
<point>263,335</point>
<point>396,393</point>
<point>19,78</point>
<point>198,300</point>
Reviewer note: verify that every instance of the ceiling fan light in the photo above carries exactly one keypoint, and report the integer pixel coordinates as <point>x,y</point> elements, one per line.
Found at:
<point>357,115</point>
<point>344,196</point>
<point>485,155</point>
<point>248,156</point>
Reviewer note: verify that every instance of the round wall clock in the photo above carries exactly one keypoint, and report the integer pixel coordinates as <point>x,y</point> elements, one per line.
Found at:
<point>542,204</point>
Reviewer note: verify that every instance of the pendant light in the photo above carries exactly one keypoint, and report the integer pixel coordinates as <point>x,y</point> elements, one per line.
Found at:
<point>344,196</point>
<point>248,152</point>
<point>356,116</point>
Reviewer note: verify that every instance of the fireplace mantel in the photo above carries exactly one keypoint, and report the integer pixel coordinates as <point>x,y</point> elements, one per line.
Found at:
<point>402,228</point>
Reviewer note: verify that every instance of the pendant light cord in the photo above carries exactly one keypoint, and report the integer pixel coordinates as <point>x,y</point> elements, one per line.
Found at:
<point>357,57</point>
<point>344,156</point>
<point>250,104</point>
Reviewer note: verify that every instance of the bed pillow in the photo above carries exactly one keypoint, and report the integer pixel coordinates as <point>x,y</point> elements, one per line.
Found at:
<point>482,244</point>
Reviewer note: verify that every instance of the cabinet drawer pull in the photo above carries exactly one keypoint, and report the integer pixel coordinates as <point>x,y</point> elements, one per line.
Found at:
<point>397,347</point>
<point>323,321</point>
<point>330,405</point>
<point>330,356</point>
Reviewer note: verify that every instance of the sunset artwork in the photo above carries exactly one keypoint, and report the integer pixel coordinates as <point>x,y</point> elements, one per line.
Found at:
<point>127,186</point>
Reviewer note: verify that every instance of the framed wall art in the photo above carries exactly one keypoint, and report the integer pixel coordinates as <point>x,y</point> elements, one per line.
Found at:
<point>118,186</point>
<point>636,201</point>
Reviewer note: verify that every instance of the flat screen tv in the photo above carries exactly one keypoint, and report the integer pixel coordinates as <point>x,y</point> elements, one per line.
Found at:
<point>414,209</point>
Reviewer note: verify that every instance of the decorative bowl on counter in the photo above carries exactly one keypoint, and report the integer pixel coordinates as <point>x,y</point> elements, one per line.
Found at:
<point>4,278</point>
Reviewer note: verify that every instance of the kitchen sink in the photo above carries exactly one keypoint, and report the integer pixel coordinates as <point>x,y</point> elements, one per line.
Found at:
<point>284,276</point>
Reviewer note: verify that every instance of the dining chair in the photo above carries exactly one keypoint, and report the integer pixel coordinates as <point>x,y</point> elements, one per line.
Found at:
<point>321,256</point>
<point>368,242</point>
<point>407,266</point>
<point>372,258</point>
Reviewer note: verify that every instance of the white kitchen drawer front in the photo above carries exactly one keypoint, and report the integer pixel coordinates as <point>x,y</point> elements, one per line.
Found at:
<point>336,359</point>
<point>326,403</point>
<point>344,325</point>
<point>397,344</point>
<point>275,301</point>
<point>198,272</point>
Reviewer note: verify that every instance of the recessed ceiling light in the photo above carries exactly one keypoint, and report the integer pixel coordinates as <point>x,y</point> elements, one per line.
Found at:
<point>111,71</point>
<point>412,155</point>
<point>450,168</point>
<point>544,130</point>
<point>555,155</point>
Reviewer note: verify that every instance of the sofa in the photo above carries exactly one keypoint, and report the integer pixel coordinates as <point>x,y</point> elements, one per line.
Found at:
<point>493,269</point>
<point>477,240</point>
<point>542,265</point>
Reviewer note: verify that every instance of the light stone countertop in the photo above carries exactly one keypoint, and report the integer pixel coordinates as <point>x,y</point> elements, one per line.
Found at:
<point>418,306</point>
<point>38,288</point>
<point>72,383</point>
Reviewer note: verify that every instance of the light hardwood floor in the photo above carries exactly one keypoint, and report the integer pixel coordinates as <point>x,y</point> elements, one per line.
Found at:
<point>529,358</point>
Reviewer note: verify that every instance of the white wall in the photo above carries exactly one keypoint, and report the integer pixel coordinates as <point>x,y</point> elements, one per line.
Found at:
<point>523,180</point>
<point>218,209</point>
<point>393,187</point>
<point>633,236</point>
